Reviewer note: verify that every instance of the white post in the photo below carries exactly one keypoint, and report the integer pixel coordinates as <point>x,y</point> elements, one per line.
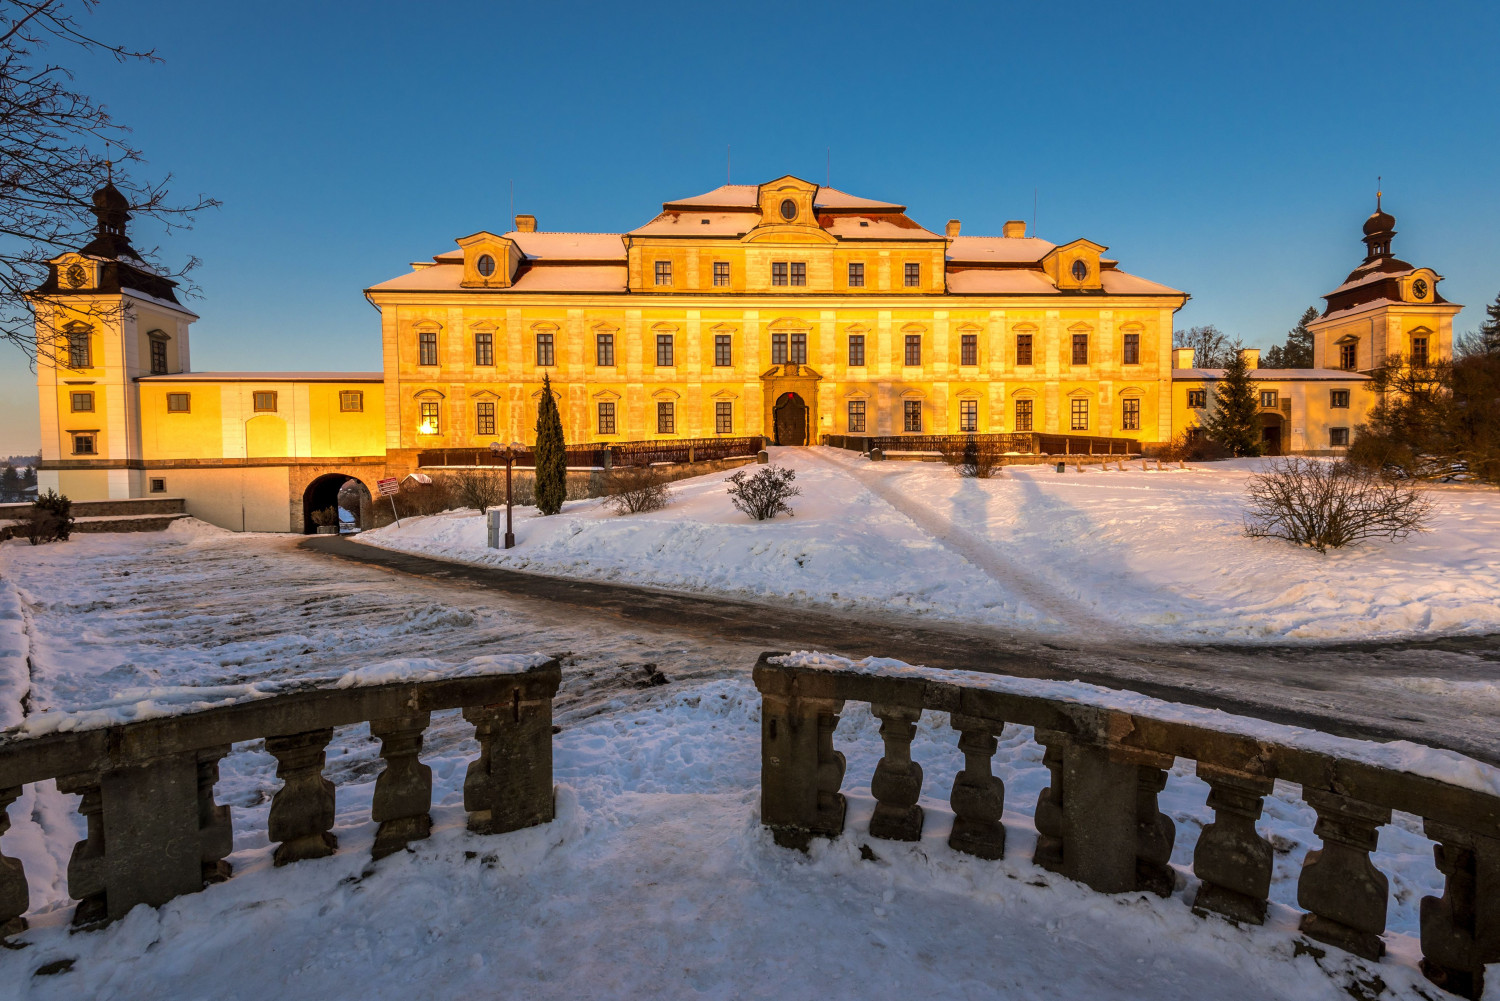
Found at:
<point>493,517</point>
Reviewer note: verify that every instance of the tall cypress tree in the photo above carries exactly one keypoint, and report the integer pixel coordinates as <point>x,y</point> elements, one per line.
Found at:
<point>551,462</point>
<point>1232,420</point>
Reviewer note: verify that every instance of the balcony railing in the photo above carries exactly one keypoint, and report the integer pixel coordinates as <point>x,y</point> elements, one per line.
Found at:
<point>605,455</point>
<point>1020,442</point>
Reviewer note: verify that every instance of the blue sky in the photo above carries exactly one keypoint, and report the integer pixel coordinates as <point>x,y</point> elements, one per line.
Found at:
<point>1230,150</point>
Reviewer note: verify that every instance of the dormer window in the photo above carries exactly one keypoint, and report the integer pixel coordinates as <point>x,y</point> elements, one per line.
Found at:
<point>485,265</point>
<point>788,209</point>
<point>1080,271</point>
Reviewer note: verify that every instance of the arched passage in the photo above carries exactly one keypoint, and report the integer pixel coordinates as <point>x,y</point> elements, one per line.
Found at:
<point>348,496</point>
<point>790,420</point>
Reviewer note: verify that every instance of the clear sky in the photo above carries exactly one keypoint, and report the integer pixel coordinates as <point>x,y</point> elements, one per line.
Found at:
<point>1228,149</point>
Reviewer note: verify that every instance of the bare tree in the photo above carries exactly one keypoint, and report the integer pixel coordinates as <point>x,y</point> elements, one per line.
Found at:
<point>57,148</point>
<point>1327,505</point>
<point>1211,349</point>
<point>765,494</point>
<point>479,487</point>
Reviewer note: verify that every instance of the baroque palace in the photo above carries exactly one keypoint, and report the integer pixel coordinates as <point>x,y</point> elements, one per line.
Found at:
<point>785,309</point>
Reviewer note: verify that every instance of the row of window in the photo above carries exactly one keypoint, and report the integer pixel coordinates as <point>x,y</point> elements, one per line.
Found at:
<point>1197,399</point>
<point>81,352</point>
<point>786,348</point>
<point>792,273</point>
<point>430,416</point>
<point>262,402</point>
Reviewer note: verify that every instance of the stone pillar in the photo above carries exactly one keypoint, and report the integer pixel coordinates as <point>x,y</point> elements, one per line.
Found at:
<point>1049,817</point>
<point>1098,818</point>
<point>15,897</point>
<point>800,771</point>
<point>897,784</point>
<point>1461,929</point>
<point>1231,859</point>
<point>509,786</point>
<point>215,827</point>
<point>403,792</point>
<point>1155,834</point>
<point>303,808</point>
<point>1343,892</point>
<point>153,842</point>
<point>86,866</point>
<point>978,797</point>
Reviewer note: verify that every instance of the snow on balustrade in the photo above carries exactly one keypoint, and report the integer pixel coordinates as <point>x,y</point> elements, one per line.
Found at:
<point>1108,755</point>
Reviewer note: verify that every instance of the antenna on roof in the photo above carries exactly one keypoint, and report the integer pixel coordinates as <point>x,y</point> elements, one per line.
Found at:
<point>728,164</point>
<point>1377,192</point>
<point>512,201</point>
<point>828,167</point>
<point>1033,213</point>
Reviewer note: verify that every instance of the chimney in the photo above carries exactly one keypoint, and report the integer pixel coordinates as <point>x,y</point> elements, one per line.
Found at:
<point>525,224</point>
<point>1251,356</point>
<point>1015,229</point>
<point>1182,358</point>
<point>952,228</point>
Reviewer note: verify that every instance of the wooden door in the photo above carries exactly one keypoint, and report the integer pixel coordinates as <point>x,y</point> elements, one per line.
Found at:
<point>791,420</point>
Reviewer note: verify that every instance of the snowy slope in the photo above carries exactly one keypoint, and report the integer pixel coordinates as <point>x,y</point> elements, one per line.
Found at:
<point>1156,555</point>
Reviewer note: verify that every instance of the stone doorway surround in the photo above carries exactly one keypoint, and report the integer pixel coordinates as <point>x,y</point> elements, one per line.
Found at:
<point>799,380</point>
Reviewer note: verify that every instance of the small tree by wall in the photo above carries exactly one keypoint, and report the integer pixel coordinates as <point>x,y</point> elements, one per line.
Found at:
<point>551,463</point>
<point>1232,421</point>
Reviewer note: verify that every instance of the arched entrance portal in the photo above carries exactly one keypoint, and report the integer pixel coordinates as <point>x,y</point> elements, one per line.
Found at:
<point>790,415</point>
<point>346,495</point>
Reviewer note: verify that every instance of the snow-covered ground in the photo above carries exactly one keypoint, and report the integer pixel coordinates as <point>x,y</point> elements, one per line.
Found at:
<point>1155,555</point>
<point>655,880</point>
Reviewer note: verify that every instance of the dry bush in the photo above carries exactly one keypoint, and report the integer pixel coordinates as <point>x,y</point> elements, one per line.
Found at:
<point>765,494</point>
<point>480,488</point>
<point>633,489</point>
<point>1327,505</point>
<point>976,458</point>
<point>324,517</point>
<point>49,519</point>
<point>1192,445</point>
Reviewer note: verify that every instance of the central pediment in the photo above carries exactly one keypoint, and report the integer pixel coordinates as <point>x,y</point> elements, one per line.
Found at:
<point>787,214</point>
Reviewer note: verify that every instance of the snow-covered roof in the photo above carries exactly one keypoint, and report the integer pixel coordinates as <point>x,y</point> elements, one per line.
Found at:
<point>998,249</point>
<point>746,196</point>
<point>1123,283</point>
<point>1357,279</point>
<point>1274,374</point>
<point>878,227</point>
<point>837,201</point>
<point>699,223</point>
<point>535,278</point>
<point>557,247</point>
<point>265,377</point>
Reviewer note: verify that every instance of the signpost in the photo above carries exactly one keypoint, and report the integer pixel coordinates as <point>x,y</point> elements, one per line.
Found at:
<point>510,458</point>
<point>389,487</point>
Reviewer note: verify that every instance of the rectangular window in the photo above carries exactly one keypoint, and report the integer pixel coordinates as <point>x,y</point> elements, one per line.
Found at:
<point>1080,349</point>
<point>913,349</point>
<point>1347,356</point>
<point>798,354</point>
<point>1338,437</point>
<point>264,402</point>
<point>968,351</point>
<point>178,403</point>
<point>351,401</point>
<point>913,275</point>
<point>158,485</point>
<point>663,272</point>
<point>663,350</point>
<point>723,417</point>
<point>430,423</point>
<point>1197,399</point>
<point>799,273</point>
<point>1132,355</point>
<point>913,412</point>
<point>1080,410</point>
<point>1268,399</point>
<point>84,443</point>
<point>604,350</point>
<point>484,348</point>
<point>606,417</point>
<point>968,415</point>
<point>1023,415</point>
<point>856,416</point>
<point>80,351</point>
<point>1419,351</point>
<point>778,272</point>
<point>856,275</point>
<point>484,415</point>
<point>1023,349</point>
<point>666,419</point>
<point>1338,398</point>
<point>721,274</point>
<point>778,349</point>
<point>82,402</point>
<point>1131,418</point>
<point>427,347</point>
<point>158,357</point>
<point>857,350</point>
<point>723,350</point>
<point>544,352</point>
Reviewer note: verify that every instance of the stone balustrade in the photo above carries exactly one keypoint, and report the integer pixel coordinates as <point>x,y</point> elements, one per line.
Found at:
<point>1098,822</point>
<point>147,788</point>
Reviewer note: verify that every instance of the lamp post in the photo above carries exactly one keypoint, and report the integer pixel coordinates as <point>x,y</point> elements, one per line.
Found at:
<point>510,459</point>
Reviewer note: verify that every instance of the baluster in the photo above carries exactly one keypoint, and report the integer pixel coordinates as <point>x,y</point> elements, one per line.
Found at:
<point>1155,833</point>
<point>215,826</point>
<point>403,792</point>
<point>86,865</point>
<point>801,773</point>
<point>1049,816</point>
<point>1461,929</point>
<point>1232,861</point>
<point>15,898</point>
<point>829,820</point>
<point>302,810</point>
<point>509,786</point>
<point>1343,892</point>
<point>897,784</point>
<point>978,797</point>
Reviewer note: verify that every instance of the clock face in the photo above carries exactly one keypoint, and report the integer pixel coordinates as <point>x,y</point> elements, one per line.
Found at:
<point>75,276</point>
<point>788,209</point>
<point>1419,289</point>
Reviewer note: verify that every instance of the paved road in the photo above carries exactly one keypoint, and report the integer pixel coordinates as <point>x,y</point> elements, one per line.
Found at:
<point>1441,692</point>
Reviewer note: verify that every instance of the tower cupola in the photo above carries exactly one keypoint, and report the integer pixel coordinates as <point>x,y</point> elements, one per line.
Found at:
<point>112,212</point>
<point>1379,229</point>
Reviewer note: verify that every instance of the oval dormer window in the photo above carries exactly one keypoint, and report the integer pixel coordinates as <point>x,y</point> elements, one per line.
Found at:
<point>1080,271</point>
<point>788,209</point>
<point>1419,289</point>
<point>485,265</point>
